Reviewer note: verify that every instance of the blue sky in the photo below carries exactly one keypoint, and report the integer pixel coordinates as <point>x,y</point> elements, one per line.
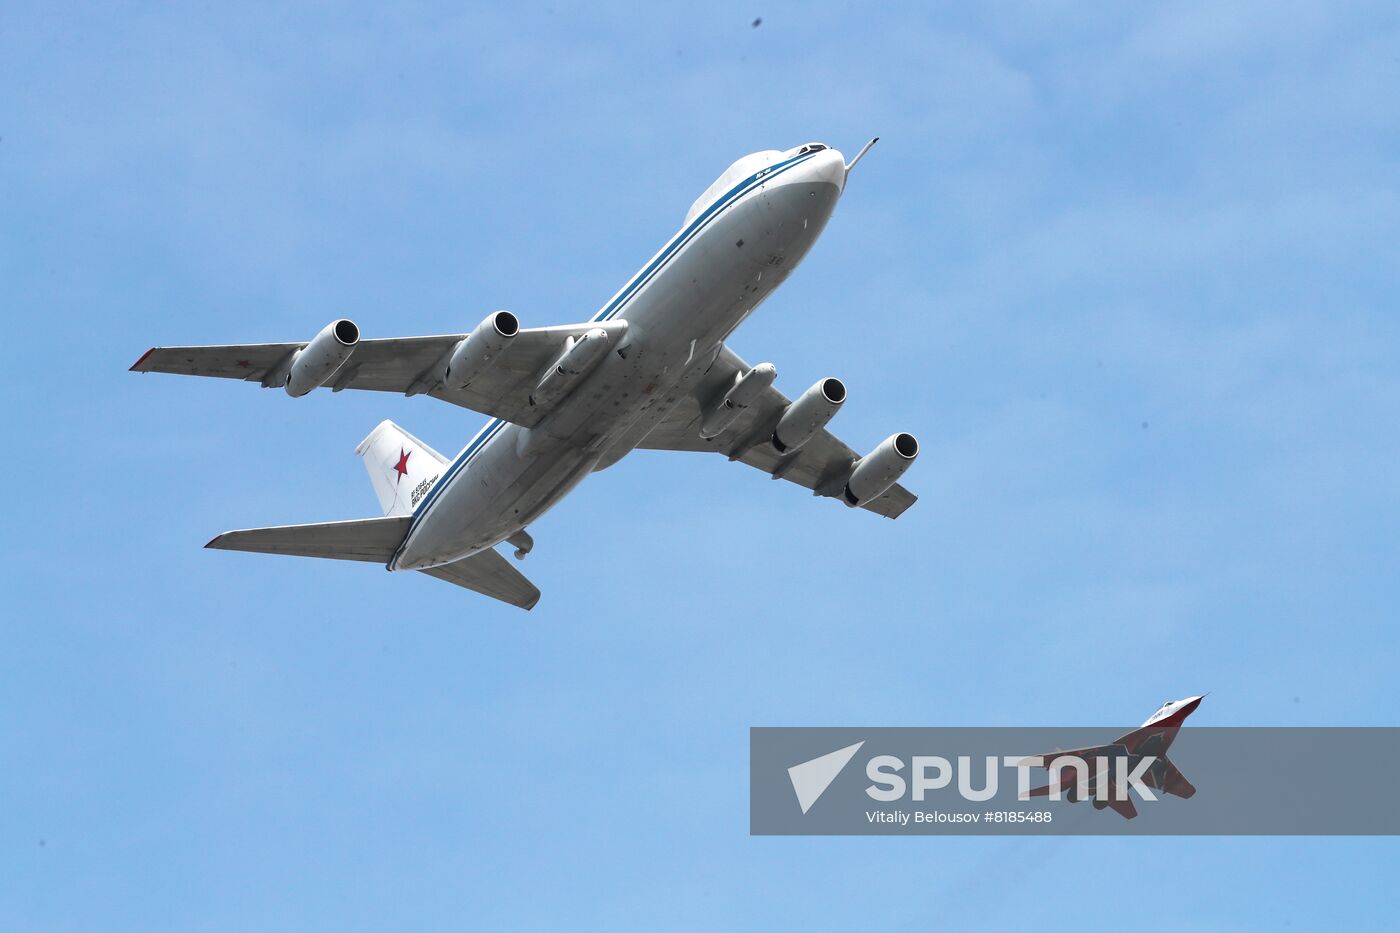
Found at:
<point>1129,272</point>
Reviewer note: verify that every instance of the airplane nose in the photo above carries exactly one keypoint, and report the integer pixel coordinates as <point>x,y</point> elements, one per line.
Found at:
<point>829,166</point>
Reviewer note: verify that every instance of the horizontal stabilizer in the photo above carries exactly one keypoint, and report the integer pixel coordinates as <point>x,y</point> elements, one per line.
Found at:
<point>489,574</point>
<point>369,539</point>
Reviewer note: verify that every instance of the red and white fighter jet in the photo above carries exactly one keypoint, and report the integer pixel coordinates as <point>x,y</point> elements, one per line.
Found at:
<point>1150,740</point>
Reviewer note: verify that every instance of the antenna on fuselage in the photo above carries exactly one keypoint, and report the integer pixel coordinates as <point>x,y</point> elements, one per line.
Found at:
<point>860,155</point>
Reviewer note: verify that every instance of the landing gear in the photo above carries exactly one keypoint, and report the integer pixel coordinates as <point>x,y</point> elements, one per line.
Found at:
<point>524,544</point>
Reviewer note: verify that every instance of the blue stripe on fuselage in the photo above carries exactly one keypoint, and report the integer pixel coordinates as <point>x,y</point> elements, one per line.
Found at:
<point>483,437</point>
<point>614,307</point>
<point>607,313</point>
<point>468,454</point>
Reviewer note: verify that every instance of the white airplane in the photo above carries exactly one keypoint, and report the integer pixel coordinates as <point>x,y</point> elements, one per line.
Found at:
<point>649,370</point>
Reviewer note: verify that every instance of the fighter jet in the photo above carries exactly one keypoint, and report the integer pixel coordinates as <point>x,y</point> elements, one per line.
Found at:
<point>1151,739</point>
<point>649,370</point>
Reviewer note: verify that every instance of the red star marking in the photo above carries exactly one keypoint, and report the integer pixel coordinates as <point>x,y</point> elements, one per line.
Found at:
<point>402,466</point>
<point>242,364</point>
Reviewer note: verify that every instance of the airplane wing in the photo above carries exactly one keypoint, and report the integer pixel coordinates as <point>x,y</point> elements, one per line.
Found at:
<point>409,365</point>
<point>1088,753</point>
<point>1167,778</point>
<point>1118,799</point>
<point>820,465</point>
<point>1068,775</point>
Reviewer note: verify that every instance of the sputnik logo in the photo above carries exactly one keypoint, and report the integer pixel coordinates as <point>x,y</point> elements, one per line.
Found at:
<point>401,467</point>
<point>810,779</point>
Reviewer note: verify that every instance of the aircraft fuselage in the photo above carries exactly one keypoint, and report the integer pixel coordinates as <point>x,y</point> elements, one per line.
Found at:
<point>728,257</point>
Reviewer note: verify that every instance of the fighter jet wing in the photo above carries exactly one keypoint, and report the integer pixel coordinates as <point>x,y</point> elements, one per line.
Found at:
<point>1166,777</point>
<point>1118,799</point>
<point>820,465</point>
<point>1068,775</point>
<point>1088,753</point>
<point>410,365</point>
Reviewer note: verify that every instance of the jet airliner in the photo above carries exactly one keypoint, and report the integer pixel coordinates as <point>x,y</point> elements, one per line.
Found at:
<point>649,370</point>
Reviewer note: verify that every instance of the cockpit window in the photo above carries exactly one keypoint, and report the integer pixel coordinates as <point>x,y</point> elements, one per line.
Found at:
<point>811,147</point>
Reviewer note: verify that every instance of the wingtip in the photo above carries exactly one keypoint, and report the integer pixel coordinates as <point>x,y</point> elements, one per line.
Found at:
<point>214,541</point>
<point>136,367</point>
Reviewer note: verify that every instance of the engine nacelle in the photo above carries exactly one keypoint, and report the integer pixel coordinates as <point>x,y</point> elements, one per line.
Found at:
<point>318,360</point>
<point>580,355</point>
<point>745,390</point>
<point>881,468</point>
<point>812,411</point>
<point>479,350</point>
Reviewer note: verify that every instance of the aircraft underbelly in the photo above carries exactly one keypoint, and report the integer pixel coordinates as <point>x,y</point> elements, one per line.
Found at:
<point>712,291</point>
<point>676,325</point>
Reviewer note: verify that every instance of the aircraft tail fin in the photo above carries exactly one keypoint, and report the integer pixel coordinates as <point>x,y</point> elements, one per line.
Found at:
<point>401,467</point>
<point>368,539</point>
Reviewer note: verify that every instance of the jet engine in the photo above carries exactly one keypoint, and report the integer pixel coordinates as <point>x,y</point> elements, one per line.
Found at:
<point>318,360</point>
<point>580,355</point>
<point>742,394</point>
<point>880,469</point>
<point>479,350</point>
<point>809,414</point>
